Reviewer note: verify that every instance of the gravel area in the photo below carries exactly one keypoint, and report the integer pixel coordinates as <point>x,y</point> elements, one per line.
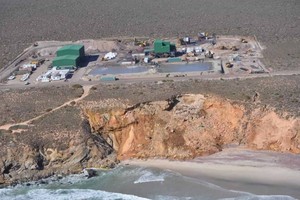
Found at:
<point>276,23</point>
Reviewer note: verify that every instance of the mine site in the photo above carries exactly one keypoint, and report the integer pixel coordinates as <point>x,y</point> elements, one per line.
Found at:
<point>137,99</point>
<point>204,56</point>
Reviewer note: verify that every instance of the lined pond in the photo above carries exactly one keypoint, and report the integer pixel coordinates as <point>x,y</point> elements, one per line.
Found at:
<point>165,68</point>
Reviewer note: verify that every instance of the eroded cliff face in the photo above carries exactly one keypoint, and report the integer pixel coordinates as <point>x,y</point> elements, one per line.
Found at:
<point>107,131</point>
<point>192,125</point>
<point>267,130</point>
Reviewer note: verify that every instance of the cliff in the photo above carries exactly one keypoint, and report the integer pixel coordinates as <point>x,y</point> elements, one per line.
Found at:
<point>100,133</point>
<point>188,126</point>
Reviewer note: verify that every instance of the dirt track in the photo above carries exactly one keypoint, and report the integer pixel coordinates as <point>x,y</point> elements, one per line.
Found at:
<point>274,22</point>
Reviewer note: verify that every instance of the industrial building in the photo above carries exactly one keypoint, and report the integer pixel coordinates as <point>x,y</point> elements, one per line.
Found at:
<point>75,50</point>
<point>161,47</point>
<point>69,57</point>
<point>66,62</point>
<point>54,75</point>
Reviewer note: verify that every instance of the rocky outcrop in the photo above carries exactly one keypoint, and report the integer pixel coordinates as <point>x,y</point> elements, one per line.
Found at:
<point>20,163</point>
<point>192,125</point>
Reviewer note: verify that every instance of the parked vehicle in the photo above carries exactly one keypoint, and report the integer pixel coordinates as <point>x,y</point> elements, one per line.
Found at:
<point>12,77</point>
<point>25,77</point>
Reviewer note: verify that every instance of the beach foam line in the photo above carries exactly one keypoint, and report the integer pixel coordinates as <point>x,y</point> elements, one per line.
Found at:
<point>63,194</point>
<point>150,177</point>
<point>264,175</point>
<point>163,197</point>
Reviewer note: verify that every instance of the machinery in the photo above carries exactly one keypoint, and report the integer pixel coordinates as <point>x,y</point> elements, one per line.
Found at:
<point>234,48</point>
<point>141,43</point>
<point>202,36</point>
<point>209,54</point>
<point>184,41</point>
<point>244,41</point>
<point>228,65</point>
<point>222,47</point>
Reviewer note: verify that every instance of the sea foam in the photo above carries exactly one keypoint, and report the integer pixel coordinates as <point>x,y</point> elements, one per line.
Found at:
<point>150,177</point>
<point>63,194</point>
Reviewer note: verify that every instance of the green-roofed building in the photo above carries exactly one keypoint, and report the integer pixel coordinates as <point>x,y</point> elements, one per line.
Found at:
<point>66,62</point>
<point>76,50</point>
<point>161,47</point>
<point>69,57</point>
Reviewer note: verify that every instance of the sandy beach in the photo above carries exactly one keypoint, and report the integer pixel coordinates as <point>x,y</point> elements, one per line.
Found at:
<point>234,174</point>
<point>261,177</point>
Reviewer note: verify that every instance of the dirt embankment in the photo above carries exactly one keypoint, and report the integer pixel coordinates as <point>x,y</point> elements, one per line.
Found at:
<point>191,126</point>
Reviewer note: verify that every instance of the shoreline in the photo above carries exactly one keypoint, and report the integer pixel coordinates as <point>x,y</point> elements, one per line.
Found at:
<point>263,175</point>
<point>257,177</point>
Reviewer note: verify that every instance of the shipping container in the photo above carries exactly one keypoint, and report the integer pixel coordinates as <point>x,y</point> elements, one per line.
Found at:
<point>108,78</point>
<point>176,59</point>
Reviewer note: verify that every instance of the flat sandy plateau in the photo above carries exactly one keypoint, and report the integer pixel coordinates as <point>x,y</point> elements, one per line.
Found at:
<point>262,173</point>
<point>274,22</point>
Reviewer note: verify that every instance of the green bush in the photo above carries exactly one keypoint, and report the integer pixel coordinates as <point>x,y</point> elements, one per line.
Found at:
<point>18,126</point>
<point>49,109</point>
<point>94,88</point>
<point>76,86</point>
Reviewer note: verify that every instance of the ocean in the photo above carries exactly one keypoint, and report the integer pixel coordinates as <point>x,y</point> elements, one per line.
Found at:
<point>130,183</point>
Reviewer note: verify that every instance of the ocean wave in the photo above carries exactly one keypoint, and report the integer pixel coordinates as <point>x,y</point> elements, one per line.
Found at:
<point>129,179</point>
<point>162,197</point>
<point>262,197</point>
<point>63,194</point>
<point>148,176</point>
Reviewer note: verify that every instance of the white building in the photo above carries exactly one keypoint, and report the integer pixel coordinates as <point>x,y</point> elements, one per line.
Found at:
<point>54,75</point>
